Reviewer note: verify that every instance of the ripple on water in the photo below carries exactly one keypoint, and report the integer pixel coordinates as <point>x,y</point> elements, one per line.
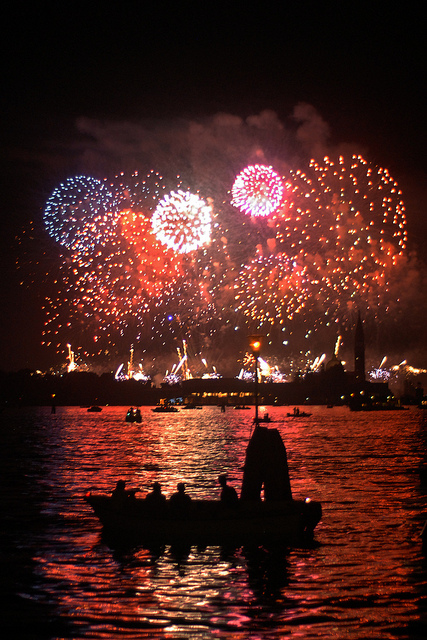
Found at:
<point>366,578</point>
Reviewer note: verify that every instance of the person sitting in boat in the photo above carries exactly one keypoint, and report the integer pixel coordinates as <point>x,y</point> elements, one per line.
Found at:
<point>121,493</point>
<point>155,499</point>
<point>229,497</point>
<point>180,501</point>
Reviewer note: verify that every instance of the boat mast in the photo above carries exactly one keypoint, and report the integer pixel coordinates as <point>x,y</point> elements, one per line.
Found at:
<point>255,343</point>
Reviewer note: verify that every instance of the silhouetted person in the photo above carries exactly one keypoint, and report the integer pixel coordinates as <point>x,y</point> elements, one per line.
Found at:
<point>156,500</point>
<point>121,493</point>
<point>180,501</point>
<point>229,497</point>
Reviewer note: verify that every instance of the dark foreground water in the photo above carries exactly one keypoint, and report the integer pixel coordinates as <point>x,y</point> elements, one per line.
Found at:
<point>366,578</point>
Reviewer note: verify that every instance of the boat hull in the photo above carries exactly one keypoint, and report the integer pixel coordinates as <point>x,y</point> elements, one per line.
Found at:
<point>208,521</point>
<point>131,418</point>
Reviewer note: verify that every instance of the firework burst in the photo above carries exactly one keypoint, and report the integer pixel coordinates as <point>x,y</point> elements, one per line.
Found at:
<point>257,190</point>
<point>80,214</point>
<point>141,265</point>
<point>182,221</point>
<point>345,221</point>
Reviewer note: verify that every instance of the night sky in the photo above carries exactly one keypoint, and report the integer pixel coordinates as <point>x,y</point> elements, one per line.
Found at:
<point>83,82</point>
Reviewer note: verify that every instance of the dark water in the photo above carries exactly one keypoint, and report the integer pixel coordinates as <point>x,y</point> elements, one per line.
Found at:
<point>367,577</point>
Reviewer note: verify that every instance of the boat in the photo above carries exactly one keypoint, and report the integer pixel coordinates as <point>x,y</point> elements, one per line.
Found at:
<point>133,415</point>
<point>377,406</point>
<point>165,408</point>
<point>296,413</point>
<point>208,522</point>
<point>265,418</point>
<point>94,409</point>
<point>241,407</point>
<point>278,517</point>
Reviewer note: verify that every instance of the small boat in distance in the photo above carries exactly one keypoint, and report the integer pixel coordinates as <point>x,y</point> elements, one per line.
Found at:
<point>165,408</point>
<point>264,418</point>
<point>296,413</point>
<point>377,406</point>
<point>133,415</point>
<point>94,409</point>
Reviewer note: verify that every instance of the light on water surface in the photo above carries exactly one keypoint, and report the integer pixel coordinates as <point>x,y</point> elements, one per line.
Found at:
<point>364,578</point>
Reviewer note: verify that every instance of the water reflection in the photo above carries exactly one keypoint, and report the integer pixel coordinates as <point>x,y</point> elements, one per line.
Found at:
<point>216,586</point>
<point>366,579</point>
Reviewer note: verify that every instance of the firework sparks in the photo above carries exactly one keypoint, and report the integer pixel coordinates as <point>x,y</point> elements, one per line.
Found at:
<point>136,192</point>
<point>345,222</point>
<point>138,263</point>
<point>271,290</point>
<point>257,190</point>
<point>182,221</point>
<point>80,214</point>
<point>157,267</point>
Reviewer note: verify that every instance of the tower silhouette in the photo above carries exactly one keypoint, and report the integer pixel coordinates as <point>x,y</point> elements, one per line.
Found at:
<point>359,352</point>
